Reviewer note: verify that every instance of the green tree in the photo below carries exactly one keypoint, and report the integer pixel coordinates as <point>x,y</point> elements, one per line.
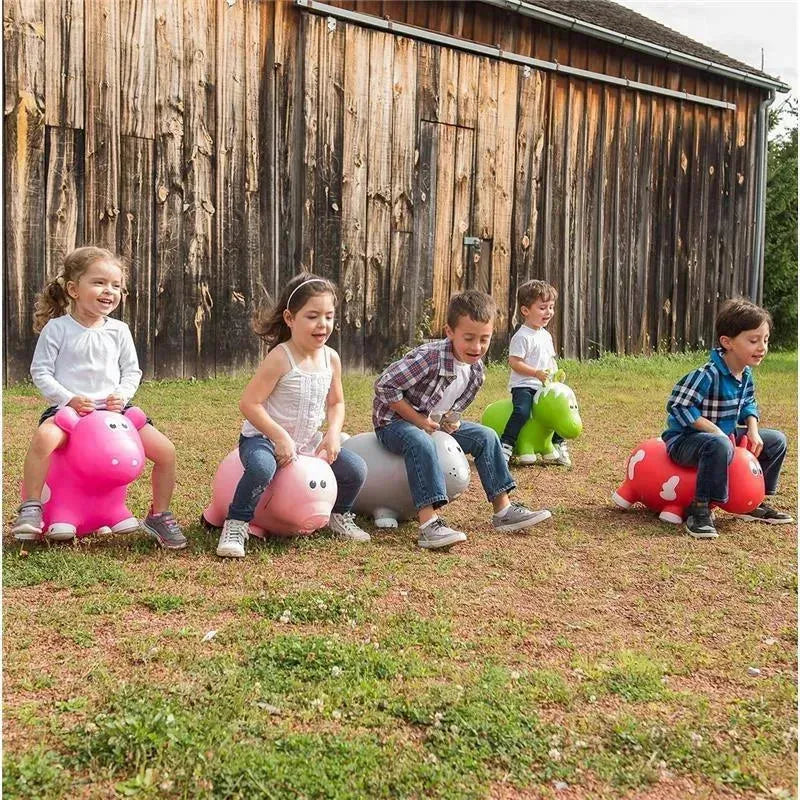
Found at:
<point>780,252</point>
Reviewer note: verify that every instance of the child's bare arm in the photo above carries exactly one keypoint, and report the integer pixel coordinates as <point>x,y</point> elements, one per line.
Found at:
<point>519,365</point>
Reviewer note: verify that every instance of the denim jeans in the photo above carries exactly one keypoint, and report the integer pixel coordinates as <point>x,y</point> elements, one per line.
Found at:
<point>257,454</point>
<point>522,398</point>
<point>425,476</point>
<point>711,454</point>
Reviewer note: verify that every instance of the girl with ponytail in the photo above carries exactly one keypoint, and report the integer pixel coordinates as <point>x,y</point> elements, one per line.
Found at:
<point>87,360</point>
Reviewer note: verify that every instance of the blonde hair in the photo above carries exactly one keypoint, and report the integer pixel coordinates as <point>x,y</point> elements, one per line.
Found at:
<point>269,324</point>
<point>53,301</point>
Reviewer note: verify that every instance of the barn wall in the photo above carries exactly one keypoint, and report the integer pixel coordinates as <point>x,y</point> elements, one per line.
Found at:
<point>220,146</point>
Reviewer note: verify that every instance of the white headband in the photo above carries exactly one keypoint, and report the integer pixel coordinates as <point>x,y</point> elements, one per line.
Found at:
<point>299,285</point>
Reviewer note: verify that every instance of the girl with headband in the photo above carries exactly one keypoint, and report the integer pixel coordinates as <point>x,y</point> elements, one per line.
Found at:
<point>296,387</point>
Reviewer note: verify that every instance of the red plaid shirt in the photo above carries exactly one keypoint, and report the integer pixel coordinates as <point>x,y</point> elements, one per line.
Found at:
<point>421,377</point>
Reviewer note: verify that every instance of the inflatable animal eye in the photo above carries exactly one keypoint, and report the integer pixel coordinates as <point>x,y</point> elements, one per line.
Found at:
<point>112,424</point>
<point>123,424</point>
<point>312,484</point>
<point>755,468</point>
<point>322,484</point>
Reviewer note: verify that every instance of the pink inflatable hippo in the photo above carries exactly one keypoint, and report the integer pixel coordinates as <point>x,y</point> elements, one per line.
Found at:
<point>655,480</point>
<point>87,483</point>
<point>298,500</point>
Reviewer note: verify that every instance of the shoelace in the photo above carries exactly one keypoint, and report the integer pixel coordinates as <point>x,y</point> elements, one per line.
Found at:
<point>169,520</point>
<point>234,533</point>
<point>349,522</point>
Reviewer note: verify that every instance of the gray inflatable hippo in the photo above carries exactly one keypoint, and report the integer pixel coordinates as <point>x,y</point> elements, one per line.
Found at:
<point>386,496</point>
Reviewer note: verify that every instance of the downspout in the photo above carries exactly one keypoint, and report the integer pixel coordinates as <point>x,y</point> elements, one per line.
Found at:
<point>759,237</point>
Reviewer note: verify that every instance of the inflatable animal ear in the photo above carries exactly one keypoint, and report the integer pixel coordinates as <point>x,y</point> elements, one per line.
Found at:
<point>744,442</point>
<point>136,416</point>
<point>66,418</point>
<point>559,377</point>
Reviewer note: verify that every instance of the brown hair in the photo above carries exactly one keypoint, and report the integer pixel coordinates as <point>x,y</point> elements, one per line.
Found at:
<point>531,291</point>
<point>269,323</point>
<point>737,315</point>
<point>53,301</point>
<point>478,306</point>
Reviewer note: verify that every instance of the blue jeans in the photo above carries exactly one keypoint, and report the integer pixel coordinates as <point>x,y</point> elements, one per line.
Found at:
<point>522,398</point>
<point>711,454</point>
<point>425,476</point>
<point>257,454</point>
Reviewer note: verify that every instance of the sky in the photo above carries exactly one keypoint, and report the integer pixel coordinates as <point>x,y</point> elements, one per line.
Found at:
<point>737,29</point>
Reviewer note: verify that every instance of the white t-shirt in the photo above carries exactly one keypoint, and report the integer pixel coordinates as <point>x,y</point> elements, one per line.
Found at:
<point>454,390</point>
<point>535,348</point>
<point>72,360</point>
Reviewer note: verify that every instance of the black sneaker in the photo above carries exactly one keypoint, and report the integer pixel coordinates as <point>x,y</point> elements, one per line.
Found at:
<point>768,514</point>
<point>700,523</point>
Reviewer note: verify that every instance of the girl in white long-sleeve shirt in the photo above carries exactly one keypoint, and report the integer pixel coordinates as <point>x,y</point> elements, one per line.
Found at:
<point>87,360</point>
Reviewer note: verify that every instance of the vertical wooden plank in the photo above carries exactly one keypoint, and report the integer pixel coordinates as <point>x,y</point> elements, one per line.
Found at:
<point>258,261</point>
<point>312,27</point>
<point>461,258</point>
<point>169,190</point>
<point>64,224</point>
<point>657,212</point>
<point>64,63</point>
<point>102,123</point>
<point>289,135</point>
<point>199,358</point>
<point>749,187</point>
<point>328,189</point>
<point>23,131</point>
<point>504,197</point>
<point>557,219</point>
<point>404,136</point>
<point>443,226</point>
<point>425,193</point>
<point>445,178</point>
<point>728,179</point>
<point>714,231</point>
<point>698,213</point>
<point>592,242</point>
<point>136,245</point>
<point>479,276</point>
<point>354,194</point>
<point>641,222</point>
<point>136,68</point>
<point>379,197</point>
<point>234,341</point>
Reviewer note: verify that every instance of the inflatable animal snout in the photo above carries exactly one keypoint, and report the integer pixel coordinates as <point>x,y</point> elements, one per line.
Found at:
<point>297,502</point>
<point>386,496</point>
<point>655,480</point>
<point>87,482</point>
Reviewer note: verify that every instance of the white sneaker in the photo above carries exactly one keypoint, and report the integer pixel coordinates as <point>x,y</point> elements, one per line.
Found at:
<point>233,538</point>
<point>508,451</point>
<point>563,453</point>
<point>344,527</point>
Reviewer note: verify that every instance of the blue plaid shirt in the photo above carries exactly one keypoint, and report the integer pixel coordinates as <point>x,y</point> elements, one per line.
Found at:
<point>711,391</point>
<point>421,377</point>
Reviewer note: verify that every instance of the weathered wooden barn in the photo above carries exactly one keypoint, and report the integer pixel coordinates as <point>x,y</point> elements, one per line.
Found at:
<point>405,149</point>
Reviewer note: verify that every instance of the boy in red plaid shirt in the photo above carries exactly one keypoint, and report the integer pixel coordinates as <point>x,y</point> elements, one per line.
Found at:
<point>437,381</point>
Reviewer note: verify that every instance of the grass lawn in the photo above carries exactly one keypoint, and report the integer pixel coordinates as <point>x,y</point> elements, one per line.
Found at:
<point>604,655</point>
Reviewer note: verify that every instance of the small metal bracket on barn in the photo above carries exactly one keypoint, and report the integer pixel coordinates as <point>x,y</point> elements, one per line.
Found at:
<point>422,34</point>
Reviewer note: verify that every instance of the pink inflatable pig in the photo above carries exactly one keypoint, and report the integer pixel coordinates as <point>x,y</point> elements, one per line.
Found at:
<point>87,483</point>
<point>655,480</point>
<point>298,500</point>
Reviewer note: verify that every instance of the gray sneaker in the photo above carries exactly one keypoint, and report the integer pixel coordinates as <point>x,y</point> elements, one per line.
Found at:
<point>518,517</point>
<point>27,526</point>
<point>436,535</point>
<point>234,536</point>
<point>344,527</point>
<point>165,530</point>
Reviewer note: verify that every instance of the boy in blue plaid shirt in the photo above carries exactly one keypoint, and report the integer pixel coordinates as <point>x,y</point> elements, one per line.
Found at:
<point>716,400</point>
<point>426,391</point>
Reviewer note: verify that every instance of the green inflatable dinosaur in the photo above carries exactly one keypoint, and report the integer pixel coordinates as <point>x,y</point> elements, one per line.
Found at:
<point>554,409</point>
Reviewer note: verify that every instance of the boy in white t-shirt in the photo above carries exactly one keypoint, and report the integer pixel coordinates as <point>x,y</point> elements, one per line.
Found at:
<point>532,359</point>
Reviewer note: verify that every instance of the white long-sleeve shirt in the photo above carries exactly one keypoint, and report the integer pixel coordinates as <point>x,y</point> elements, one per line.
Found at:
<point>72,360</point>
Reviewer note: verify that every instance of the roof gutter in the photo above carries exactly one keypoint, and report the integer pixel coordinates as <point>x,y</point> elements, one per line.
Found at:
<point>623,40</point>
